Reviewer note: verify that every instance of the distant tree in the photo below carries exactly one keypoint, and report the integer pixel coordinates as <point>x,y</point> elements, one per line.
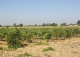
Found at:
<point>48,24</point>
<point>0,25</point>
<point>21,25</point>
<point>7,26</point>
<point>43,24</point>
<point>35,25</point>
<point>63,24</point>
<point>29,25</point>
<point>78,22</point>
<point>14,25</point>
<point>53,24</point>
<point>39,25</point>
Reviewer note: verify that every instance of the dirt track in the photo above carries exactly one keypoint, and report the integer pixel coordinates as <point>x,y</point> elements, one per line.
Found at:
<point>63,48</point>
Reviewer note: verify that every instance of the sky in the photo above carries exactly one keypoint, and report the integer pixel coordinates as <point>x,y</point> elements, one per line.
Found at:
<point>30,12</point>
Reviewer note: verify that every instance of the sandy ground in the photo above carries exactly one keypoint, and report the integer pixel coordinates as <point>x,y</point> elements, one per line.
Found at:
<point>63,48</point>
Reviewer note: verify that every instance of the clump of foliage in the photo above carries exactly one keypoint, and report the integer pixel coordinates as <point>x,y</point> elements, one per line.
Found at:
<point>68,32</point>
<point>41,43</point>
<point>24,55</point>
<point>1,48</point>
<point>2,33</point>
<point>27,54</point>
<point>48,48</point>
<point>48,36</point>
<point>14,39</point>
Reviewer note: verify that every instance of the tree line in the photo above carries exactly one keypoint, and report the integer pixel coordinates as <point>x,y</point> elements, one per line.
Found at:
<point>44,24</point>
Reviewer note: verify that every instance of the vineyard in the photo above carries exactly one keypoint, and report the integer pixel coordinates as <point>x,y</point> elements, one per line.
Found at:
<point>16,36</point>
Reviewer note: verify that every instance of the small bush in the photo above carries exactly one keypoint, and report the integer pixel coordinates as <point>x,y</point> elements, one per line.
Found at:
<point>5,49</point>
<point>24,55</point>
<point>48,48</point>
<point>41,43</point>
<point>1,48</point>
<point>27,54</point>
<point>14,39</point>
<point>48,36</point>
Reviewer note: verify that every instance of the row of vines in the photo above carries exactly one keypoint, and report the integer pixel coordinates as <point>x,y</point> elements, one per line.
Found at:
<point>15,36</point>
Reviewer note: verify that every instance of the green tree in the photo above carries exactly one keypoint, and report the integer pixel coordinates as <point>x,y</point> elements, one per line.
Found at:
<point>21,25</point>
<point>0,25</point>
<point>35,25</point>
<point>43,24</point>
<point>53,24</point>
<point>14,25</point>
<point>78,22</point>
<point>63,24</point>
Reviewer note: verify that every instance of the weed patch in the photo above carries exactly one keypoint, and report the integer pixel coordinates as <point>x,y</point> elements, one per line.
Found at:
<point>48,48</point>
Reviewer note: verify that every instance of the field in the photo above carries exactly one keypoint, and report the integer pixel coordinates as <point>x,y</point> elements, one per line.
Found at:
<point>63,48</point>
<point>40,42</point>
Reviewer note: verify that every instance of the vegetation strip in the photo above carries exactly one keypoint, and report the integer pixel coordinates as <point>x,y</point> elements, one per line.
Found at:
<point>16,36</point>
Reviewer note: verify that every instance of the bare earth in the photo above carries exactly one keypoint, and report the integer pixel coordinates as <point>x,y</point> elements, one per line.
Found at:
<point>63,48</point>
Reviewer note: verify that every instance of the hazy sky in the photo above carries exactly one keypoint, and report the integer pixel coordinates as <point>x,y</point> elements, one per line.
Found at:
<point>39,11</point>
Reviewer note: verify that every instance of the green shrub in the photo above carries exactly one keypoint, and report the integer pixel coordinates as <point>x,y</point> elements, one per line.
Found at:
<point>1,48</point>
<point>41,43</point>
<point>48,48</point>
<point>27,54</point>
<point>24,55</point>
<point>48,36</point>
<point>14,39</point>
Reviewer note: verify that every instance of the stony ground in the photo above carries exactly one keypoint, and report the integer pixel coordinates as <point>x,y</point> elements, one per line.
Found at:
<point>63,48</point>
